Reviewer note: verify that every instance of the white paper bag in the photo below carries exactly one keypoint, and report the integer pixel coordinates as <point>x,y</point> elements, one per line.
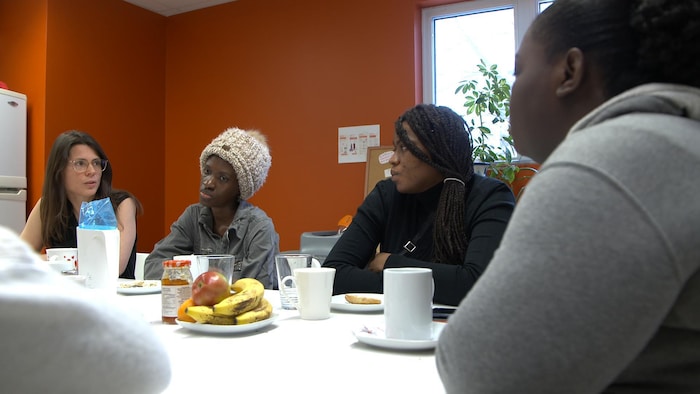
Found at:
<point>98,257</point>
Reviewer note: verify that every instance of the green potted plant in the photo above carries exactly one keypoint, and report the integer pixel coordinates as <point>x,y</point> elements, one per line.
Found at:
<point>487,104</point>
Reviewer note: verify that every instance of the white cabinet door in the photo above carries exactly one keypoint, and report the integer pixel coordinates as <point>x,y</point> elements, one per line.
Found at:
<point>12,210</point>
<point>13,137</point>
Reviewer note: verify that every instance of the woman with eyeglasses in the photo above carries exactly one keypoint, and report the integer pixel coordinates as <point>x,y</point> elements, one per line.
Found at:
<point>77,171</point>
<point>433,212</point>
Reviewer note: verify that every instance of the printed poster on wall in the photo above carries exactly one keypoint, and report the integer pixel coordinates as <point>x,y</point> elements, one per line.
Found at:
<point>353,142</point>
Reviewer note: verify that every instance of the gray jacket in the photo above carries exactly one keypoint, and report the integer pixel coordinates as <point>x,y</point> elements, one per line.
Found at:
<point>596,284</point>
<point>251,237</point>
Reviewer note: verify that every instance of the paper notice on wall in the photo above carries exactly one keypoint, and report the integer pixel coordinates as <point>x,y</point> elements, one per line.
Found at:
<point>354,141</point>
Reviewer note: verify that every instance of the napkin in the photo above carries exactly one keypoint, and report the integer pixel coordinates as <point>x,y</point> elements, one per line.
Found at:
<point>97,215</point>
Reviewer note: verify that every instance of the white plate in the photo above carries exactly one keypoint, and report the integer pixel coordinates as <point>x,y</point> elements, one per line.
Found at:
<point>221,329</point>
<point>375,336</point>
<point>338,303</point>
<point>131,287</point>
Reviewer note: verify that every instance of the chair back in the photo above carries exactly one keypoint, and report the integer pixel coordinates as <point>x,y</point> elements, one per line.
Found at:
<point>318,243</point>
<point>140,263</point>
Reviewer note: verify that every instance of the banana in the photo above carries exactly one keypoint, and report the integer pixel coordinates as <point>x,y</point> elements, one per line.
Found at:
<point>205,314</point>
<point>249,293</point>
<point>262,312</point>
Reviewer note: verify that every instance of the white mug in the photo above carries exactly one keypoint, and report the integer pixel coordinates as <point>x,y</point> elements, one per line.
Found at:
<point>285,264</point>
<point>314,288</point>
<point>62,259</point>
<point>408,302</point>
<point>62,255</point>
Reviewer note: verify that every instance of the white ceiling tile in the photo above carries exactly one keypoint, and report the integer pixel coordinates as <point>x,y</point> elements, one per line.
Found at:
<point>172,7</point>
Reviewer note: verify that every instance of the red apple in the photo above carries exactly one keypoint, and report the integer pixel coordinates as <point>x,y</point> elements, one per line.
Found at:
<point>210,288</point>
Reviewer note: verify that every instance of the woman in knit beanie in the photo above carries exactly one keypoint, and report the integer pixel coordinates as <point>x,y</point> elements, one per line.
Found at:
<point>234,167</point>
<point>433,212</point>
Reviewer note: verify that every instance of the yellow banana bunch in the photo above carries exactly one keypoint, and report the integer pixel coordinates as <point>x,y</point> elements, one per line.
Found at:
<point>262,312</point>
<point>246,306</point>
<point>249,292</point>
<point>205,314</point>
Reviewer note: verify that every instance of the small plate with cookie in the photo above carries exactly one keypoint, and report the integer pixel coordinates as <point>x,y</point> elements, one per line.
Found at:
<point>358,302</point>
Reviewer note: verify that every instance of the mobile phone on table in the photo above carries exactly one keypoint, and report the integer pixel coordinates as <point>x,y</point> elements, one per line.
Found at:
<point>441,314</point>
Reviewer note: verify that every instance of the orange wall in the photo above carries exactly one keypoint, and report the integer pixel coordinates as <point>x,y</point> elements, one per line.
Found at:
<point>296,70</point>
<point>154,91</point>
<point>105,76</point>
<point>23,31</point>
<point>96,66</point>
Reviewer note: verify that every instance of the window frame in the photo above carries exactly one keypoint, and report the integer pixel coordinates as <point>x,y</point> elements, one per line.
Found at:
<point>524,12</point>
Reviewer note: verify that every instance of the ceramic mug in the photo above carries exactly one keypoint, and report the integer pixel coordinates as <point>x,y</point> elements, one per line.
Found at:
<point>62,259</point>
<point>314,287</point>
<point>408,301</point>
<point>285,264</point>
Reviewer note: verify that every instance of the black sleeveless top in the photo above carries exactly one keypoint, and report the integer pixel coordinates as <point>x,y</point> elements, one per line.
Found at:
<point>70,240</point>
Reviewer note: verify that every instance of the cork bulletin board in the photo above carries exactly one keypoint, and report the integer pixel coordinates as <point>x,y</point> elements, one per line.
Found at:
<point>378,165</point>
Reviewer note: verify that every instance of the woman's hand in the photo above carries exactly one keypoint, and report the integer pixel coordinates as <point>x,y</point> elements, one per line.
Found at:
<point>377,263</point>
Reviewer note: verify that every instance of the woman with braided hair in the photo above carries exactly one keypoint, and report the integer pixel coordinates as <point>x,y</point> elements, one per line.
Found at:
<point>596,284</point>
<point>432,182</point>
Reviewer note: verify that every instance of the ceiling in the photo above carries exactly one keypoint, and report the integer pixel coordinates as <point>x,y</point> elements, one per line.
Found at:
<point>172,7</point>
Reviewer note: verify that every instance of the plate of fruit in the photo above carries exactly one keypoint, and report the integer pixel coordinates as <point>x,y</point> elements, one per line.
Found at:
<point>207,328</point>
<point>216,308</point>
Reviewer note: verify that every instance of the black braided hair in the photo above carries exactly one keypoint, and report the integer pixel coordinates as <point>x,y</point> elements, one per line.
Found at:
<point>446,138</point>
<point>632,42</point>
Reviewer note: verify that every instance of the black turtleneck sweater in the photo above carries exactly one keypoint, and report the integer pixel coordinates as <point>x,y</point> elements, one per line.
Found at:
<point>389,219</point>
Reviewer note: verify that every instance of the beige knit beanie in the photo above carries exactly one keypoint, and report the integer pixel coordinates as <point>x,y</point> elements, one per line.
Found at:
<point>248,154</point>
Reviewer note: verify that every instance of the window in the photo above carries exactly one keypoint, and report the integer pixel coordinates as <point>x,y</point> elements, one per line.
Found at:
<point>457,36</point>
<point>544,4</point>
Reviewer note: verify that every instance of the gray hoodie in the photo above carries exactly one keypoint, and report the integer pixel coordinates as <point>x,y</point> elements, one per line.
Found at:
<point>596,284</point>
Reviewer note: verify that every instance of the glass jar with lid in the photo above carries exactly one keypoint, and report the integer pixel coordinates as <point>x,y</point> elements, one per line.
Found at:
<point>176,287</point>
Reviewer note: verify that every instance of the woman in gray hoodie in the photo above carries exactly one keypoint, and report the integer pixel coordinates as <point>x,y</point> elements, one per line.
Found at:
<point>596,284</point>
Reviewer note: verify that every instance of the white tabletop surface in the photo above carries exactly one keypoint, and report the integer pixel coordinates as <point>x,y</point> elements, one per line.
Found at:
<point>289,356</point>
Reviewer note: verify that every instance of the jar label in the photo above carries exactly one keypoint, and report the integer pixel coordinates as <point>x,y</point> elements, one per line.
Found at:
<point>172,297</point>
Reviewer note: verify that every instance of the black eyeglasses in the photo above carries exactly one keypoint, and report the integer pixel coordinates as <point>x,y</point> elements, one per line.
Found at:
<point>81,165</point>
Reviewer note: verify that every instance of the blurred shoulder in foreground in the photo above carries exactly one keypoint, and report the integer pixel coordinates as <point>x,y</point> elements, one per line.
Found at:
<point>60,339</point>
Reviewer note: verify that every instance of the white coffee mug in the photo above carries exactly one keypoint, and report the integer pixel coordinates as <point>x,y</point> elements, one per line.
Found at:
<point>408,301</point>
<point>285,264</point>
<point>314,287</point>
<point>62,259</point>
<point>61,266</point>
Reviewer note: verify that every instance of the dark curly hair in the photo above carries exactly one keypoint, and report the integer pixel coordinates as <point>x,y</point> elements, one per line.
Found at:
<point>446,137</point>
<point>632,42</point>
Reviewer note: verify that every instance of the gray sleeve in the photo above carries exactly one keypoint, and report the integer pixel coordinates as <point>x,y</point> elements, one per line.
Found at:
<point>580,283</point>
<point>261,244</point>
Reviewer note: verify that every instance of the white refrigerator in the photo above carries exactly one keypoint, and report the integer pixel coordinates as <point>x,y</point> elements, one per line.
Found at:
<point>13,160</point>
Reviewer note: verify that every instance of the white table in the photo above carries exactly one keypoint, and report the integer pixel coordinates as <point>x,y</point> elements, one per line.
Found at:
<point>289,356</point>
